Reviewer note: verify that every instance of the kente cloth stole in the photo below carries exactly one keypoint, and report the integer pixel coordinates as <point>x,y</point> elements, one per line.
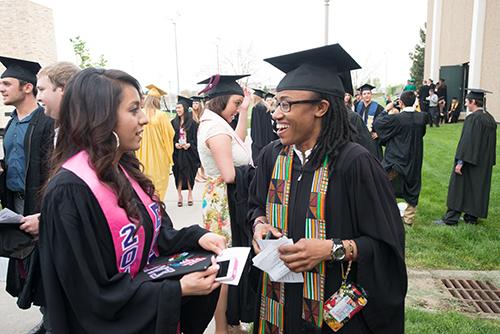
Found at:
<point>272,303</point>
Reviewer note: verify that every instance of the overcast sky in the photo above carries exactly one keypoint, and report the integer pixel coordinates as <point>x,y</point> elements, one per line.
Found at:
<point>138,36</point>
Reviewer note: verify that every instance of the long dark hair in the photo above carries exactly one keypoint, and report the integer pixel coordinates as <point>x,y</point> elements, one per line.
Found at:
<point>187,121</point>
<point>87,119</point>
<point>335,132</point>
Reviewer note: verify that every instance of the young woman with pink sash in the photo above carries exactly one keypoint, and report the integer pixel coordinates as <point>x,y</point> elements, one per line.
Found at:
<point>102,222</point>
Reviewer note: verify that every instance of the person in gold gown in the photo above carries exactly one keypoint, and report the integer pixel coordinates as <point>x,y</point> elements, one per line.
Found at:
<point>157,143</point>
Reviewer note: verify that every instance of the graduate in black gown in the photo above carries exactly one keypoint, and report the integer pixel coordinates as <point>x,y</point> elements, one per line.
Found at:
<point>316,179</point>
<point>102,222</point>
<point>186,159</point>
<point>369,110</point>
<point>361,134</point>
<point>261,127</point>
<point>403,133</point>
<point>470,181</point>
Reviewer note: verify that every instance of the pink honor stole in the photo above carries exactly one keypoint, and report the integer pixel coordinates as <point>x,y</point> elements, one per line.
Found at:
<point>129,245</point>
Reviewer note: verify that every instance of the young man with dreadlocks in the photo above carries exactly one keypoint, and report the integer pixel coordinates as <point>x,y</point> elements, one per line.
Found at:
<point>334,200</point>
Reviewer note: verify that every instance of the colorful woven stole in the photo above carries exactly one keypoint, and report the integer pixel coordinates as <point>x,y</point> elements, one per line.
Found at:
<point>271,317</point>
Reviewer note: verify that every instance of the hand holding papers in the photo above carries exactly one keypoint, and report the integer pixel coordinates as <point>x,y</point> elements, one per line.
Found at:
<point>268,260</point>
<point>9,217</point>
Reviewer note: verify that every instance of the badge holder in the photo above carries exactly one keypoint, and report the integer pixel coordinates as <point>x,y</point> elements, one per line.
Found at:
<point>345,303</point>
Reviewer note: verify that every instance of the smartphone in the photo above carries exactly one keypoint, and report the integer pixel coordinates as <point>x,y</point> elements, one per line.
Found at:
<point>227,270</point>
<point>223,268</point>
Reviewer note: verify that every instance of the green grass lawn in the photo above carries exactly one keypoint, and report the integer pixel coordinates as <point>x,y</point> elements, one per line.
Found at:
<point>462,247</point>
<point>420,322</point>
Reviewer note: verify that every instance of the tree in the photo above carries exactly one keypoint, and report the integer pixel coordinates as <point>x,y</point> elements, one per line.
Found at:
<point>241,61</point>
<point>394,90</point>
<point>82,52</point>
<point>418,58</point>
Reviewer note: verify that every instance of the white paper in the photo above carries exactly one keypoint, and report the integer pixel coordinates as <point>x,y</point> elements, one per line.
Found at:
<point>268,260</point>
<point>8,216</point>
<point>292,277</point>
<point>240,255</point>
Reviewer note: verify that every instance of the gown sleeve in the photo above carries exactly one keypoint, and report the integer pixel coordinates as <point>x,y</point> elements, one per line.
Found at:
<point>381,269</point>
<point>386,126</point>
<point>84,291</point>
<point>168,134</point>
<point>171,241</point>
<point>469,147</point>
<point>260,184</point>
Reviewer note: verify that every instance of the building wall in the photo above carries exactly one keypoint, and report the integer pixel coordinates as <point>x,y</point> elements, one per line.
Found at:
<point>455,41</point>
<point>455,32</point>
<point>490,74</point>
<point>26,32</point>
<point>428,39</point>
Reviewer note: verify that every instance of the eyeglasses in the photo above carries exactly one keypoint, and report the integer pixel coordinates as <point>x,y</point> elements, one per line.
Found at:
<point>285,106</point>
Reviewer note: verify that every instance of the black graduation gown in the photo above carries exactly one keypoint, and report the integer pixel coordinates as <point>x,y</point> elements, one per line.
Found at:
<point>362,136</point>
<point>85,293</point>
<point>186,162</point>
<point>423,93</point>
<point>363,115</point>
<point>241,299</point>
<point>261,129</point>
<point>360,206</point>
<point>403,137</point>
<point>470,192</point>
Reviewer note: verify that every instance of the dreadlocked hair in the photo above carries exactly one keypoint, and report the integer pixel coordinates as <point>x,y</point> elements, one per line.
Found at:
<point>336,131</point>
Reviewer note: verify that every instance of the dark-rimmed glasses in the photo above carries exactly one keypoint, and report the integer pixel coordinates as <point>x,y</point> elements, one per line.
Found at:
<point>285,106</point>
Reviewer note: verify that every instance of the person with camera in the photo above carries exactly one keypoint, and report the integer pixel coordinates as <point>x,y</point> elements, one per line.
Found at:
<point>402,133</point>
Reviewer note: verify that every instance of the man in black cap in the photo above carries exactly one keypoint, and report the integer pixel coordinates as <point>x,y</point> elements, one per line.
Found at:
<point>332,198</point>
<point>261,126</point>
<point>403,133</point>
<point>470,181</point>
<point>369,110</point>
<point>27,144</point>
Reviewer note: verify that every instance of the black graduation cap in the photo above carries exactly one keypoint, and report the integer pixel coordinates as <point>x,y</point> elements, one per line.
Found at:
<point>185,101</point>
<point>269,95</point>
<point>218,85</point>
<point>366,86</point>
<point>259,92</point>
<point>197,98</point>
<point>476,93</point>
<point>317,70</point>
<point>20,69</point>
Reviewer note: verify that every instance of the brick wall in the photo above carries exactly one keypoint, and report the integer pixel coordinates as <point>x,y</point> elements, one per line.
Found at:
<point>26,32</point>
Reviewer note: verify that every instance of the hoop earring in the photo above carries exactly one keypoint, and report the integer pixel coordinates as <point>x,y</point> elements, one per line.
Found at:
<point>117,140</point>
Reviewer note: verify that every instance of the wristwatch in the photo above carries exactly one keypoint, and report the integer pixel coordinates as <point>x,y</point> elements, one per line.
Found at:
<point>338,251</point>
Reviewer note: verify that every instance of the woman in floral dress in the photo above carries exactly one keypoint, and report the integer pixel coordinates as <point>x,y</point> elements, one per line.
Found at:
<point>221,149</point>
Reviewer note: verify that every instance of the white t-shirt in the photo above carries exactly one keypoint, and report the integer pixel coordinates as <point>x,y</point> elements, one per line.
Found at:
<point>212,125</point>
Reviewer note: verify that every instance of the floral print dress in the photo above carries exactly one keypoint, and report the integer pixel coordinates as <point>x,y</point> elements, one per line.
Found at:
<point>215,206</point>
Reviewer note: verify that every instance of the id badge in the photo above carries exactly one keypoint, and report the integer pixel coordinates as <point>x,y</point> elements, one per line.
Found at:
<point>343,305</point>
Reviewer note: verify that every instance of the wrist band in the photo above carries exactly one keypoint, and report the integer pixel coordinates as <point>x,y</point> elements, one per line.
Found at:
<point>256,222</point>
